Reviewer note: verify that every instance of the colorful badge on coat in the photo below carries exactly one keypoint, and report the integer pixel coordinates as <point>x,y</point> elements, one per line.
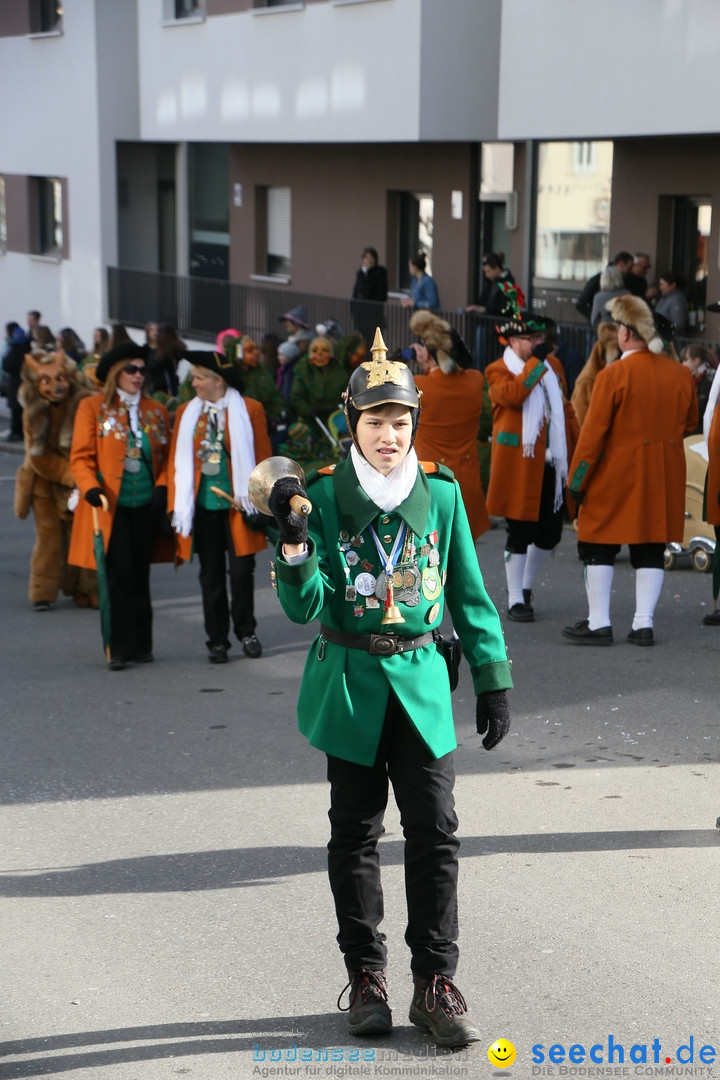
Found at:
<point>365,584</point>
<point>431,586</point>
<point>432,614</point>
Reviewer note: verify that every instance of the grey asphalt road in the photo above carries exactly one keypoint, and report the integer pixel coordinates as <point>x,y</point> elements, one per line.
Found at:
<point>165,910</point>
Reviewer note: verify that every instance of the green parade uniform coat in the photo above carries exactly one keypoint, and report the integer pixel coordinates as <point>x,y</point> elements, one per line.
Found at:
<point>344,693</point>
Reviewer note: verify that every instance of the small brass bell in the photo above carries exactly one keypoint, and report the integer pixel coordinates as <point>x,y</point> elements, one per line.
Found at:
<point>392,614</point>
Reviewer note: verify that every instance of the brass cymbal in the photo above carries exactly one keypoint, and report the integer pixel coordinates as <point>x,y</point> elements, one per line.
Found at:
<point>264,477</point>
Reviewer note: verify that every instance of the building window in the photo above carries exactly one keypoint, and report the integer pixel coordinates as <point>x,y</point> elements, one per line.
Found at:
<point>277,3</point>
<point>175,10</point>
<point>47,202</point>
<point>574,183</point>
<point>584,156</point>
<point>3,216</point>
<point>46,16</point>
<point>414,212</point>
<point>278,221</point>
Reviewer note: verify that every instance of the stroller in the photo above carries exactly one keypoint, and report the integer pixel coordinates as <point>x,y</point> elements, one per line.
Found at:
<point>699,538</point>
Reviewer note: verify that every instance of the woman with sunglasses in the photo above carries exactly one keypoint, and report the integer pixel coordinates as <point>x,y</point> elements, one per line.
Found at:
<point>119,451</point>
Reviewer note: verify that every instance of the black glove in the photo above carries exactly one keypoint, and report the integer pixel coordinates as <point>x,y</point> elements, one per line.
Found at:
<point>291,526</point>
<point>578,496</point>
<point>492,717</point>
<point>719,495</point>
<point>159,499</point>
<point>93,496</point>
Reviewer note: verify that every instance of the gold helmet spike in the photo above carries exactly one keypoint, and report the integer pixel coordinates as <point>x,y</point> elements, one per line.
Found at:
<point>378,349</point>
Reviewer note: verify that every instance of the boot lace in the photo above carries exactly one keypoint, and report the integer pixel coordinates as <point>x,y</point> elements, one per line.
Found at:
<point>442,991</point>
<point>371,986</point>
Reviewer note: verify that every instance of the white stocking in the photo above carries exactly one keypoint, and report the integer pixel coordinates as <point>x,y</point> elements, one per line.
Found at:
<point>598,584</point>
<point>514,569</point>
<point>536,557</point>
<point>648,585</point>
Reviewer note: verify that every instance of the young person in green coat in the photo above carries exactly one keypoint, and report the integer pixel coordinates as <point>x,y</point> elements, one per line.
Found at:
<point>388,546</point>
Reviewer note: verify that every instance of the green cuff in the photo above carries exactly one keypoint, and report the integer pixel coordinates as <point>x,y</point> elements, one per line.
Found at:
<point>579,475</point>
<point>535,375</point>
<point>299,574</point>
<point>494,676</point>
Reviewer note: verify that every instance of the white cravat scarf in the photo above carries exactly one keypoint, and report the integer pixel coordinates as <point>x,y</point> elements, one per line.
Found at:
<point>232,414</point>
<point>543,402</point>
<point>389,491</point>
<point>711,403</point>
<point>131,403</point>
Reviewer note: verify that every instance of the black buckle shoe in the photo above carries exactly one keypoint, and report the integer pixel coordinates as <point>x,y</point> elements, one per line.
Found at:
<point>368,1010</point>
<point>521,613</point>
<point>643,636</point>
<point>581,634</point>
<point>218,654</point>
<point>252,647</point>
<point>439,1007</point>
<point>712,619</point>
<point>117,663</point>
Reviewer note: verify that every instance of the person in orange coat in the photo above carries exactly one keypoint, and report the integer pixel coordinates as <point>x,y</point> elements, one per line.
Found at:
<point>452,402</point>
<point>533,426</point>
<point>628,471</point>
<point>119,450</point>
<point>218,439</point>
<point>711,431</point>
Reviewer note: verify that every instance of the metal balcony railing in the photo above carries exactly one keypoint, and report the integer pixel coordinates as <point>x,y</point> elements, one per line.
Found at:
<point>201,307</point>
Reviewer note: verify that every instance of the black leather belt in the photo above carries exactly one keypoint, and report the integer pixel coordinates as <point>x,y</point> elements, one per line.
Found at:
<point>376,644</point>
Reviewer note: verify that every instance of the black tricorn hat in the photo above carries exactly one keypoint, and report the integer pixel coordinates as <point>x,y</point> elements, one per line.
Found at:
<point>219,364</point>
<point>124,353</point>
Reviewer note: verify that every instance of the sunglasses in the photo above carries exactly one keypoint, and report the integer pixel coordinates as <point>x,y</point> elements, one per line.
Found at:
<point>133,369</point>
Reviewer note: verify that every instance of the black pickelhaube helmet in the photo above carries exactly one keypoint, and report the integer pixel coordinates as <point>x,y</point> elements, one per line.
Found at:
<point>380,382</point>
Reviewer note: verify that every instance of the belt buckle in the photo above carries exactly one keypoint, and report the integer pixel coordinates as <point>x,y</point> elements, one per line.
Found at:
<point>383,645</point>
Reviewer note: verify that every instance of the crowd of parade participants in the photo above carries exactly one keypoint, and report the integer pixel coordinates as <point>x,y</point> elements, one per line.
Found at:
<point>144,451</point>
<point>144,431</point>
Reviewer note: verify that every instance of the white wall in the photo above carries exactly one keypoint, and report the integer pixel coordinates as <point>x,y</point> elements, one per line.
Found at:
<point>583,69</point>
<point>460,60</point>
<point>323,74</point>
<point>60,123</point>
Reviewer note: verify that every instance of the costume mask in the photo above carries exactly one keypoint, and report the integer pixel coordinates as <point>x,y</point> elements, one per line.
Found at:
<point>320,352</point>
<point>52,379</point>
<point>250,353</point>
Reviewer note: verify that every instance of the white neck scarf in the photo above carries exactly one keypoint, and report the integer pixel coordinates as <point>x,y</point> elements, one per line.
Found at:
<point>389,491</point>
<point>232,415</point>
<point>544,402</point>
<point>711,403</point>
<point>131,403</point>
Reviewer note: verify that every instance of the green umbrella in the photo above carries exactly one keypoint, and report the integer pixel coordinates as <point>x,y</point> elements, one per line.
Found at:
<point>103,592</point>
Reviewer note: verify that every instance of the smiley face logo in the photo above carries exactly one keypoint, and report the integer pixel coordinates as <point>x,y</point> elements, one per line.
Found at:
<point>502,1053</point>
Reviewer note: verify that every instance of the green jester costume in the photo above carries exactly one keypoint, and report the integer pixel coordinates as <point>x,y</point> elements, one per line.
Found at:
<point>385,548</point>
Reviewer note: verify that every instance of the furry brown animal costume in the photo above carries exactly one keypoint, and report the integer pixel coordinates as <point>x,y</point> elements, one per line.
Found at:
<point>50,392</point>
<point>441,340</point>
<point>604,351</point>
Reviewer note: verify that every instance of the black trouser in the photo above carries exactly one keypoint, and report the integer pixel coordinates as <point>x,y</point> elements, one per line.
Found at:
<point>642,556</point>
<point>128,570</point>
<point>423,788</point>
<point>544,533</point>
<point>213,542</point>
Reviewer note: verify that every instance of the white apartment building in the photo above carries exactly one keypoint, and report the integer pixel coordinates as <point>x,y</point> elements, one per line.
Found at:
<point>151,143</point>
